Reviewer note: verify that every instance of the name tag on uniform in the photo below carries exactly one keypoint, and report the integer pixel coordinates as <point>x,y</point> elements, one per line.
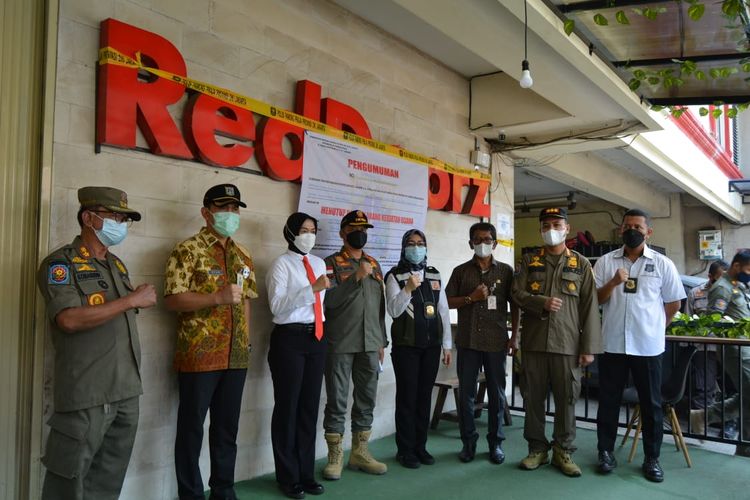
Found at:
<point>429,310</point>
<point>631,285</point>
<point>492,302</point>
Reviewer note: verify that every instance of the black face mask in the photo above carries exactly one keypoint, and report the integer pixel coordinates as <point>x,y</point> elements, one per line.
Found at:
<point>356,239</point>
<point>632,238</point>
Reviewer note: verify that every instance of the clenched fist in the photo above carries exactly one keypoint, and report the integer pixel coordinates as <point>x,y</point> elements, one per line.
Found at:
<point>143,296</point>
<point>412,283</point>
<point>321,283</point>
<point>365,269</point>
<point>230,294</point>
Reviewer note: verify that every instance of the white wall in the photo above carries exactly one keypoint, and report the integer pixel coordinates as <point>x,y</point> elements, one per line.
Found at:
<point>261,49</point>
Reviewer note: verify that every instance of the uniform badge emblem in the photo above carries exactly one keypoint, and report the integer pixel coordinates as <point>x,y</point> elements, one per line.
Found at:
<point>246,272</point>
<point>84,251</point>
<point>573,262</point>
<point>229,190</point>
<point>572,287</point>
<point>435,285</point>
<point>96,299</point>
<point>59,274</point>
<point>85,267</point>
<point>78,260</point>
<point>535,286</point>
<point>535,262</point>
<point>720,305</point>
<point>649,268</point>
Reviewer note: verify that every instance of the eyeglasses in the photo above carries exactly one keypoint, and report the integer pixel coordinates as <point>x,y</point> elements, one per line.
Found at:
<point>120,218</point>
<point>488,240</point>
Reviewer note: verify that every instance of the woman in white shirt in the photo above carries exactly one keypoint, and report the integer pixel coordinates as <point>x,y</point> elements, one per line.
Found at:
<point>421,328</point>
<point>296,286</point>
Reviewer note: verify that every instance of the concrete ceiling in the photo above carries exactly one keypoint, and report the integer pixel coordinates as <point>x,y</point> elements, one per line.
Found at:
<point>573,91</point>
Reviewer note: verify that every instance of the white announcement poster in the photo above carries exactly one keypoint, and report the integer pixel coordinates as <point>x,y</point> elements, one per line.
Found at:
<point>339,177</point>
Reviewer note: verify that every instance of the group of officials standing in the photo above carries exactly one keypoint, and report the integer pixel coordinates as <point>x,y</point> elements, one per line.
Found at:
<point>329,323</point>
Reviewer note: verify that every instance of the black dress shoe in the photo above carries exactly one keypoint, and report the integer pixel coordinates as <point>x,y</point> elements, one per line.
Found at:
<point>468,451</point>
<point>652,470</point>
<point>497,456</point>
<point>408,460</point>
<point>313,487</point>
<point>292,490</point>
<point>425,458</point>
<point>607,462</point>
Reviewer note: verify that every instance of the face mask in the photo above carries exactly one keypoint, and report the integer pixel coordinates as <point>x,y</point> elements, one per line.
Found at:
<point>483,250</point>
<point>226,223</point>
<point>356,239</point>
<point>415,254</point>
<point>304,242</point>
<point>632,238</point>
<point>553,237</point>
<point>112,232</point>
<point>743,277</point>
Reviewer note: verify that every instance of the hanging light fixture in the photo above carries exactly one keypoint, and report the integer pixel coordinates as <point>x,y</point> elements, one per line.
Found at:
<point>526,81</point>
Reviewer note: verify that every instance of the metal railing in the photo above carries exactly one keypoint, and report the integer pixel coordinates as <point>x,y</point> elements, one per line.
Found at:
<point>723,351</point>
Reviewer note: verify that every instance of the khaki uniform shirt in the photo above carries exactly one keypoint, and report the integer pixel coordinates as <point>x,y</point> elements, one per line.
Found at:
<point>730,298</point>
<point>576,327</point>
<point>479,327</point>
<point>355,310</point>
<point>100,365</point>
<point>213,338</point>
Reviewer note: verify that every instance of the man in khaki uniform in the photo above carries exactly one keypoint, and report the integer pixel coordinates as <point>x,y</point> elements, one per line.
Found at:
<point>561,333</point>
<point>355,328</point>
<point>92,305</point>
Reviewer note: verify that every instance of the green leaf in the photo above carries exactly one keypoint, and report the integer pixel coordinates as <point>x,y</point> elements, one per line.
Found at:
<point>640,74</point>
<point>668,82</point>
<point>696,11</point>
<point>703,111</point>
<point>654,80</point>
<point>568,26</point>
<point>700,75</point>
<point>600,20</point>
<point>732,112</point>
<point>731,7</point>
<point>716,113</point>
<point>714,72</point>
<point>677,112</point>
<point>621,17</point>
<point>650,13</point>
<point>638,11</point>
<point>634,83</point>
<point>746,67</point>
<point>743,106</point>
<point>656,107</point>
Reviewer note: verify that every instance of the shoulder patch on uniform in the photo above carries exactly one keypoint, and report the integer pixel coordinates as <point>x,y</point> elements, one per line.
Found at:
<point>649,268</point>
<point>720,304</point>
<point>120,266</point>
<point>58,274</point>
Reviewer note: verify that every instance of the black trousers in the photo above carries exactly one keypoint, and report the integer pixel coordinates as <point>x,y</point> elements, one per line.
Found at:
<point>296,359</point>
<point>613,375</point>
<point>221,392</point>
<point>415,369</point>
<point>705,372</point>
<point>467,365</point>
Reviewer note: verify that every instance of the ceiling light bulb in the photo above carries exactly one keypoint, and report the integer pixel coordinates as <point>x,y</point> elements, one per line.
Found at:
<point>526,81</point>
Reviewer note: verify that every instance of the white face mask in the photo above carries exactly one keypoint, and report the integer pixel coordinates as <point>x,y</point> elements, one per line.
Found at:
<point>483,250</point>
<point>553,238</point>
<point>304,242</point>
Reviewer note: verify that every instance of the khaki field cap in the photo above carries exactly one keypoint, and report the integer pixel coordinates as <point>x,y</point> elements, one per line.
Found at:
<point>110,198</point>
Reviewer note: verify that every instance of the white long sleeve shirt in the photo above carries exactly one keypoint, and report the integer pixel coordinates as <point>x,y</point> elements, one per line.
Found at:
<point>290,294</point>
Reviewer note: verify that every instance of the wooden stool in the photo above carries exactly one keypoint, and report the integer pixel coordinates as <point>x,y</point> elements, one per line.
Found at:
<point>452,384</point>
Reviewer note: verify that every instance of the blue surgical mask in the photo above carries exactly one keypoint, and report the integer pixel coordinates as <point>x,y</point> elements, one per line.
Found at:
<point>415,254</point>
<point>112,232</point>
<point>743,277</point>
<point>226,223</point>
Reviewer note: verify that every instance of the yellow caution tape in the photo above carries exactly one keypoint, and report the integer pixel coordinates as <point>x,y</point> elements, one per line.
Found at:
<point>109,55</point>
<point>506,243</point>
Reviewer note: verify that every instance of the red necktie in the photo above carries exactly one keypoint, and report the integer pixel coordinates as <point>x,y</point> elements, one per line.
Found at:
<point>318,306</point>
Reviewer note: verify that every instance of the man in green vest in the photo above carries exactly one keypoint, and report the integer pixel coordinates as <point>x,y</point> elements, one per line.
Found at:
<point>561,332</point>
<point>355,329</point>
